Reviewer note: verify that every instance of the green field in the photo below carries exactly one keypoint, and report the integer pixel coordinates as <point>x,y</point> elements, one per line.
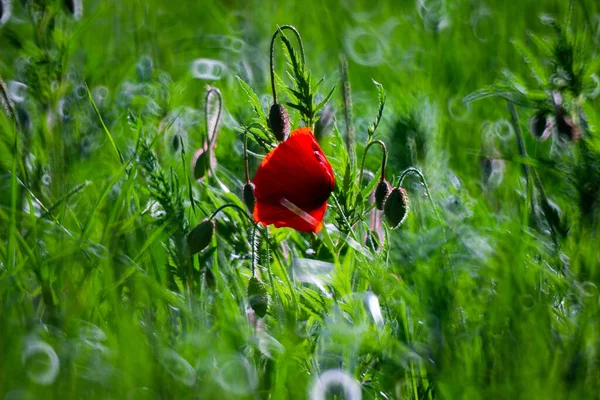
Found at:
<point>109,117</point>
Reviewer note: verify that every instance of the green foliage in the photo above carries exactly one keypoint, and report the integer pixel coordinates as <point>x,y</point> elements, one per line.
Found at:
<point>127,273</point>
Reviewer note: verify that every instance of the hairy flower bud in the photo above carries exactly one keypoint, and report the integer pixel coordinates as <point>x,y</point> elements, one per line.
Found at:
<point>396,207</point>
<point>540,126</point>
<point>204,161</point>
<point>382,191</point>
<point>200,237</point>
<point>567,129</point>
<point>279,122</point>
<point>258,297</point>
<point>249,197</point>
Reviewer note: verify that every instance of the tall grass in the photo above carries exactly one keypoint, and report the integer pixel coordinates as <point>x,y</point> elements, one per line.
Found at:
<point>489,289</point>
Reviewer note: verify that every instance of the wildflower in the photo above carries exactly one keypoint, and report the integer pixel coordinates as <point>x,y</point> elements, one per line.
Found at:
<point>293,184</point>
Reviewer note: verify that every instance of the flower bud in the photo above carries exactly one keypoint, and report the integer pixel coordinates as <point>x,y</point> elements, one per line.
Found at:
<point>540,126</point>
<point>204,162</point>
<point>249,197</point>
<point>279,122</point>
<point>567,129</point>
<point>396,207</point>
<point>382,191</point>
<point>200,237</point>
<point>258,297</point>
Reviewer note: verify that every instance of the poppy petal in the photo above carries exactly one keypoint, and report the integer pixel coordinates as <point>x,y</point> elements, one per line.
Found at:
<point>288,215</point>
<point>296,170</point>
<point>293,184</point>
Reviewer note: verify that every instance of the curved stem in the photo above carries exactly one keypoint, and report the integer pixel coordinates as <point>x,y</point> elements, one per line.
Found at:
<point>272,59</point>
<point>238,208</point>
<point>383,159</point>
<point>415,171</point>
<point>246,130</point>
<point>212,138</point>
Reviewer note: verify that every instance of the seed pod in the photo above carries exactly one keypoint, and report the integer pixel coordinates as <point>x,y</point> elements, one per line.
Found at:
<point>382,191</point>
<point>279,122</point>
<point>249,197</point>
<point>396,207</point>
<point>540,126</point>
<point>199,238</point>
<point>258,297</point>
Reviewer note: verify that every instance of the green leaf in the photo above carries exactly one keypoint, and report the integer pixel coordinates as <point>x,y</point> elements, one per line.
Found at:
<point>325,100</point>
<point>254,100</point>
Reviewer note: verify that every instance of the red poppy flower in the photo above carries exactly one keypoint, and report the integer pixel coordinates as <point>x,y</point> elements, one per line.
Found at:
<point>293,184</point>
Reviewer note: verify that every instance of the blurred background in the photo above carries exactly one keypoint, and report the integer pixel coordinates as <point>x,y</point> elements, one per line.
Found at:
<point>484,295</point>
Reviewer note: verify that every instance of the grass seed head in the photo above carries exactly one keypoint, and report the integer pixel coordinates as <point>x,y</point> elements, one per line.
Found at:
<point>279,122</point>
<point>200,237</point>
<point>396,207</point>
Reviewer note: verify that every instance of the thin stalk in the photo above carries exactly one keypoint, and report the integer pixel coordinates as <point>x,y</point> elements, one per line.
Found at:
<point>383,159</point>
<point>272,55</point>
<point>347,98</point>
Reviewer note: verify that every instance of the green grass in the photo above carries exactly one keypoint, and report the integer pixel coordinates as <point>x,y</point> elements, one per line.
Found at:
<point>483,292</point>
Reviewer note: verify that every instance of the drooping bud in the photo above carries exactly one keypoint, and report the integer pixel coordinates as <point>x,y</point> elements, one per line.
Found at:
<point>258,297</point>
<point>249,197</point>
<point>279,122</point>
<point>382,191</point>
<point>200,237</point>
<point>204,161</point>
<point>540,125</point>
<point>567,129</point>
<point>396,207</point>
<point>75,7</point>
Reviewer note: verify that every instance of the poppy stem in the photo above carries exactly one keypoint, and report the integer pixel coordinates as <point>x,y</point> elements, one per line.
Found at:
<point>246,130</point>
<point>383,159</point>
<point>212,138</point>
<point>272,60</point>
<point>347,99</point>
<point>415,171</point>
<point>238,208</point>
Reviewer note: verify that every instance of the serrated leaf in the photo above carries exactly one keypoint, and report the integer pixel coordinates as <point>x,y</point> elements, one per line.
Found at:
<point>254,100</point>
<point>325,100</point>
